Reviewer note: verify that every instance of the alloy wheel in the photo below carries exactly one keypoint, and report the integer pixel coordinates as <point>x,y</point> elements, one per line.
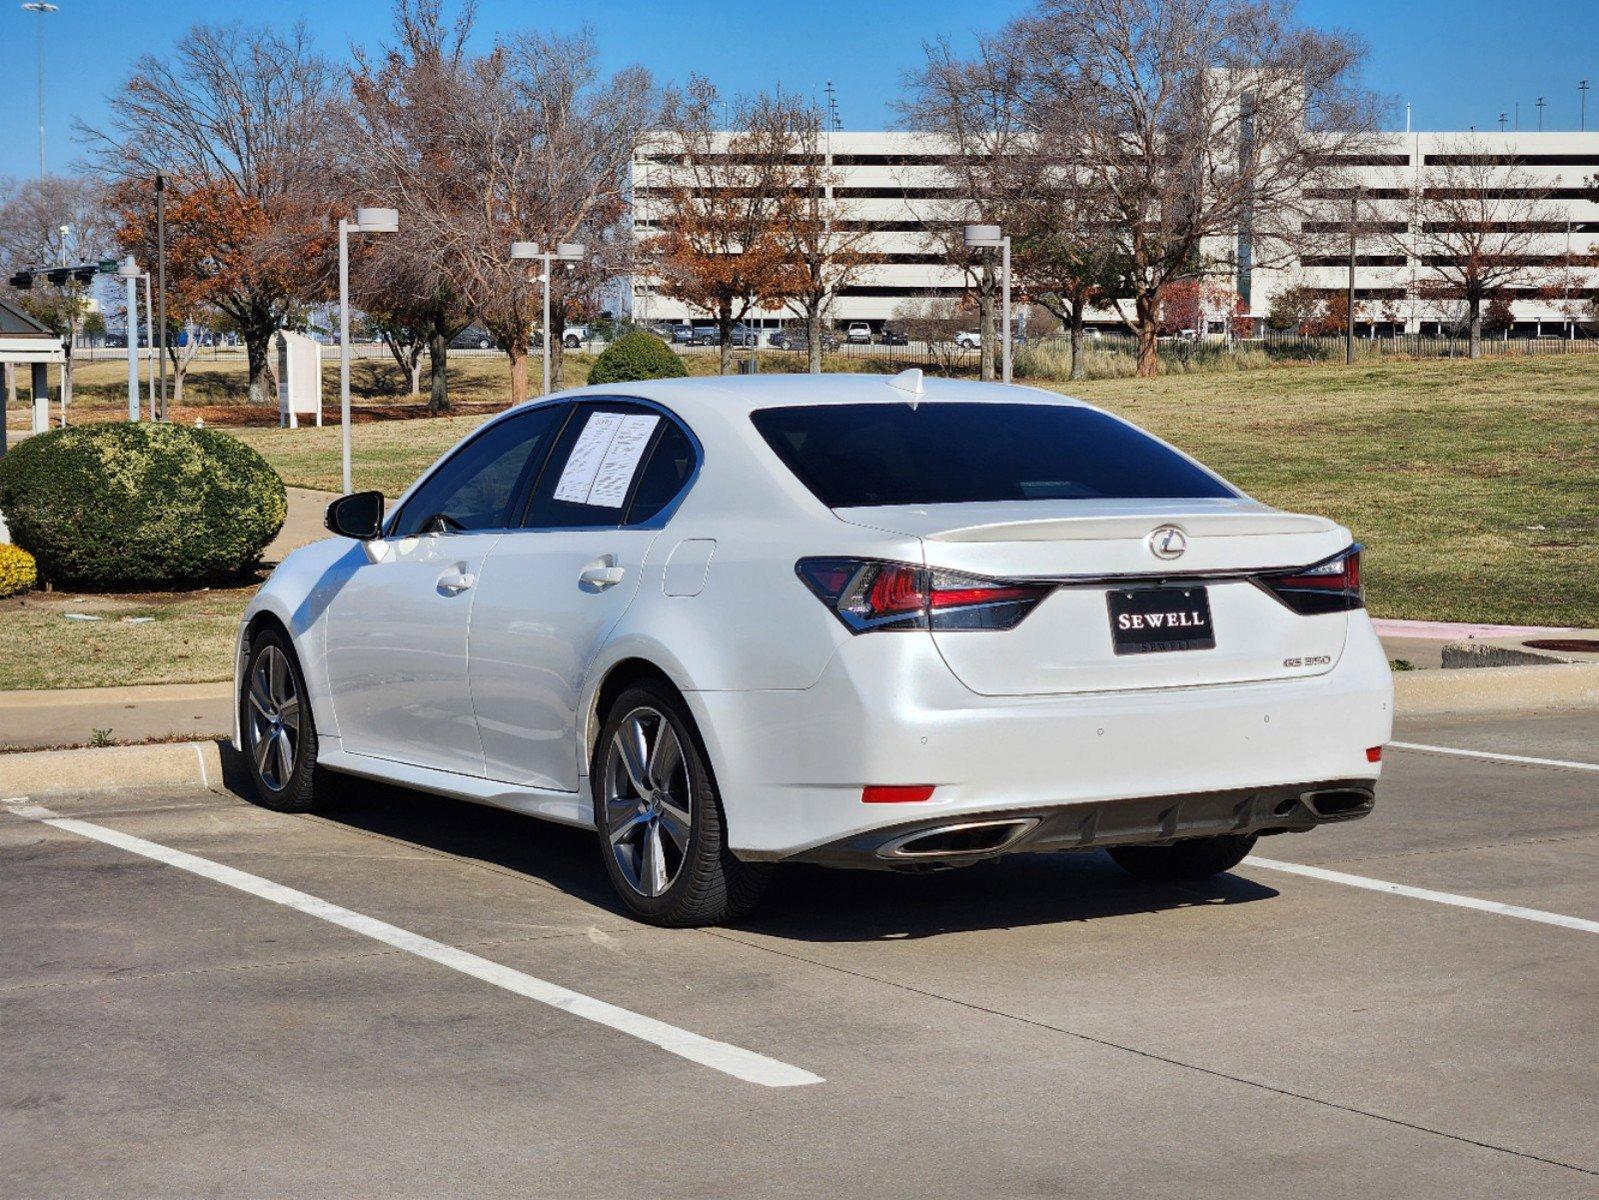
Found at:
<point>273,718</point>
<point>649,801</point>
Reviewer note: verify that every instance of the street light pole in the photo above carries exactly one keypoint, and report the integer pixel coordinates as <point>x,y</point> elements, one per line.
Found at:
<point>990,237</point>
<point>567,252</point>
<point>1582,111</point>
<point>1349,326</point>
<point>367,220</point>
<point>40,8</point>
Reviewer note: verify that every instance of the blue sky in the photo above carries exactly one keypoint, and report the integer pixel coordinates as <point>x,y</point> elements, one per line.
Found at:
<point>1459,62</point>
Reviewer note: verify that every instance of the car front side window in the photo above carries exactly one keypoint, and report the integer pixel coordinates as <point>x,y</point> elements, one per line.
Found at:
<point>480,486</point>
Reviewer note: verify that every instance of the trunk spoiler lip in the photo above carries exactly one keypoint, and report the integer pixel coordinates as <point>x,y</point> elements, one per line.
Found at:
<point>1155,578</point>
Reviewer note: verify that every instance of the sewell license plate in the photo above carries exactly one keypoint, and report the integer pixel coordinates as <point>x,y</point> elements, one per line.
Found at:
<point>1147,620</point>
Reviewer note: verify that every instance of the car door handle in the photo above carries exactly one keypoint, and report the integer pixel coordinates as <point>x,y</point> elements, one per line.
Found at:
<point>602,577</point>
<point>453,583</point>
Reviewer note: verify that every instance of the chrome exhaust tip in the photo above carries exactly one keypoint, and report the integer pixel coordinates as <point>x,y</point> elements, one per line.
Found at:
<point>968,839</point>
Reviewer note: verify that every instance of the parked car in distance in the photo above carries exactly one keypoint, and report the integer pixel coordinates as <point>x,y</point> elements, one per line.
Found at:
<point>846,620</point>
<point>573,336</point>
<point>892,335</point>
<point>968,340</point>
<point>683,335</point>
<point>859,332</point>
<point>473,337</point>
<point>798,340</point>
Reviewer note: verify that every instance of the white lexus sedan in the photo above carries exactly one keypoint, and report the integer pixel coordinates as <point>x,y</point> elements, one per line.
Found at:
<point>852,620</point>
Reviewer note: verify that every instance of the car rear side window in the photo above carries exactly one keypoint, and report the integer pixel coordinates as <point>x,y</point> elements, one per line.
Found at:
<point>857,455</point>
<point>616,463</point>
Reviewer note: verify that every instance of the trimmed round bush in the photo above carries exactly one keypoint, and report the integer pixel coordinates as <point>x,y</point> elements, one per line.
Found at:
<point>17,571</point>
<point>636,355</point>
<point>115,506</point>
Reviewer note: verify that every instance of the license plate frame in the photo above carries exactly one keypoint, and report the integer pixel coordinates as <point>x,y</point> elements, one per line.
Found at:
<point>1186,608</point>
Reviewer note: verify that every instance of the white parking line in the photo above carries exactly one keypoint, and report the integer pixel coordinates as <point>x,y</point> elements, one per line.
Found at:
<point>1416,893</point>
<point>719,1056</point>
<point>1496,756</point>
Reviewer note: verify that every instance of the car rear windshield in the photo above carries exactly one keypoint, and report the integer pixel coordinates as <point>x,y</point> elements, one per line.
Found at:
<point>858,455</point>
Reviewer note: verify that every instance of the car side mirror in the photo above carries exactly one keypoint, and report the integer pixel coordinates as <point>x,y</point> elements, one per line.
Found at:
<point>358,515</point>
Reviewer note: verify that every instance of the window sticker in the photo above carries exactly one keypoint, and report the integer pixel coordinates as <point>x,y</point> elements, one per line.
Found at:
<point>606,456</point>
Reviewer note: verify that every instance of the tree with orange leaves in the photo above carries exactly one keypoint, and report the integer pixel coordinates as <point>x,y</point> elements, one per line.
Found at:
<point>718,200</point>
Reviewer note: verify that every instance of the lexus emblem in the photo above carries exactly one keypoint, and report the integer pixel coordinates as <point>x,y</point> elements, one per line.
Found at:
<point>1167,542</point>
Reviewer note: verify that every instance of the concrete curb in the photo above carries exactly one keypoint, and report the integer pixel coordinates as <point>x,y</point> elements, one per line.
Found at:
<point>172,764</point>
<point>1496,689</point>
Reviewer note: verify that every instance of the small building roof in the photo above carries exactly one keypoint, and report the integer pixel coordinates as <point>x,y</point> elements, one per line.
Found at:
<point>16,323</point>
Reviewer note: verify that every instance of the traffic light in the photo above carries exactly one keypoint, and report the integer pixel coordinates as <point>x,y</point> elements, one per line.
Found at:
<point>22,280</point>
<point>59,275</point>
<point>85,274</point>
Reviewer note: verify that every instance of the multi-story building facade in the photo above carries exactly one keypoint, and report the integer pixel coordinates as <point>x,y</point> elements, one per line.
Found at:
<point>894,183</point>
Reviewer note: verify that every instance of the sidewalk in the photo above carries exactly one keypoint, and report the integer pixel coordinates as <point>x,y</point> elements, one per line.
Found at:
<point>70,716</point>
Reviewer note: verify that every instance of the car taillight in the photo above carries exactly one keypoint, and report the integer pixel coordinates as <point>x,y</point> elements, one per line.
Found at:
<point>1332,585</point>
<point>869,595</point>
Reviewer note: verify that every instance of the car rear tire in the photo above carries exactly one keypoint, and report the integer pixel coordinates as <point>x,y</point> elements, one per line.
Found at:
<point>276,728</point>
<point>662,830</point>
<point>1193,858</point>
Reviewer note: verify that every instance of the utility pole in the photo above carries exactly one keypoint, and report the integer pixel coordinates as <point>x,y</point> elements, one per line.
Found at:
<point>40,8</point>
<point>1503,121</point>
<point>1349,325</point>
<point>1582,106</point>
<point>161,284</point>
<point>1542,103</point>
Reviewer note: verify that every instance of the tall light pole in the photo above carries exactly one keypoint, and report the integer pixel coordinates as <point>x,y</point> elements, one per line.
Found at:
<point>367,220</point>
<point>128,271</point>
<point>984,237</point>
<point>39,7</point>
<point>1582,109</point>
<point>1541,105</point>
<point>567,252</point>
<point>1349,324</point>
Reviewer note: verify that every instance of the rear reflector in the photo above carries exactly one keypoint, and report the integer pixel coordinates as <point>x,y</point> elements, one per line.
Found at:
<point>896,793</point>
<point>1374,754</point>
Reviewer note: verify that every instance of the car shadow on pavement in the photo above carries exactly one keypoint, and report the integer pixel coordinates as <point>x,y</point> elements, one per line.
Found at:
<point>805,903</point>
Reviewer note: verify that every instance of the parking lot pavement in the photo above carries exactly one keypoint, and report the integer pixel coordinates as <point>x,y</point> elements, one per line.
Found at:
<point>203,997</point>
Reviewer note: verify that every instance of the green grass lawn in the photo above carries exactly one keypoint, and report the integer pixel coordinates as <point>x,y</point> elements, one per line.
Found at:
<point>187,638</point>
<point>1475,487</point>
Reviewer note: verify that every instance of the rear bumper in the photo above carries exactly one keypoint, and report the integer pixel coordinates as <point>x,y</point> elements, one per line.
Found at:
<point>1155,820</point>
<point>790,765</point>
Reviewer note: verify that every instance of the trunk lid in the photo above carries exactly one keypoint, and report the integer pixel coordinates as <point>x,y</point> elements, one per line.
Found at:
<point>1065,644</point>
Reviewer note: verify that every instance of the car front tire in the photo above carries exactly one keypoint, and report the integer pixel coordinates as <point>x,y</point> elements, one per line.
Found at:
<point>662,830</point>
<point>1192,858</point>
<point>276,729</point>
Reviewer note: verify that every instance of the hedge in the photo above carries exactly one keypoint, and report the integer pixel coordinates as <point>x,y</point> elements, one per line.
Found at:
<point>115,506</point>
<point>636,355</point>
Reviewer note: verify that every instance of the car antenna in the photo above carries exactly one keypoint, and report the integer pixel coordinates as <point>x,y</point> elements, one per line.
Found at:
<point>909,382</point>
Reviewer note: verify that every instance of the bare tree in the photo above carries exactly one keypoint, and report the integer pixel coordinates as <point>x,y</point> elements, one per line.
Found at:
<point>1478,226</point>
<point>401,152</point>
<point>583,128</point>
<point>971,115</point>
<point>719,207</point>
<point>1200,122</point>
<point>827,250</point>
<point>934,320</point>
<point>241,119</point>
<point>46,223</point>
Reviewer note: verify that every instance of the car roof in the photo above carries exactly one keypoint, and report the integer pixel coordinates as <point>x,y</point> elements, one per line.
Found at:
<point>724,395</point>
